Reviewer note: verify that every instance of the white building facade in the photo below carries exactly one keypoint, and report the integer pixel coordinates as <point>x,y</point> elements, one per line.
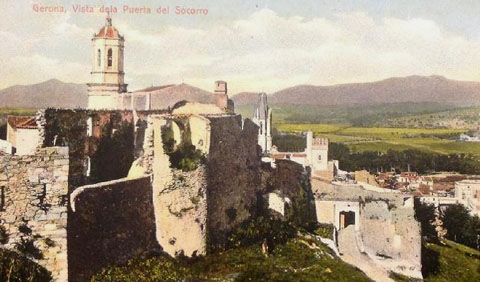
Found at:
<point>468,193</point>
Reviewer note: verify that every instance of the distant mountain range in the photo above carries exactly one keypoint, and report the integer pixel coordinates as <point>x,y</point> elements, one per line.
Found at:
<point>412,89</point>
<point>51,93</point>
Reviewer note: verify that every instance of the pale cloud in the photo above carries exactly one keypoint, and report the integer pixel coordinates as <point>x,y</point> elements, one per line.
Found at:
<point>262,52</point>
<point>268,52</point>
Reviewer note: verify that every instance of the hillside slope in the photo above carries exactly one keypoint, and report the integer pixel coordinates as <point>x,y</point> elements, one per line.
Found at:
<point>293,261</point>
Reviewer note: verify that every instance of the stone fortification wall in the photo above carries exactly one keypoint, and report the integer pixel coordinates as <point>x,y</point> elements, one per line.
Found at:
<point>234,176</point>
<point>33,193</point>
<point>292,183</point>
<point>179,196</point>
<point>287,177</point>
<point>386,224</point>
<point>214,197</point>
<point>110,223</point>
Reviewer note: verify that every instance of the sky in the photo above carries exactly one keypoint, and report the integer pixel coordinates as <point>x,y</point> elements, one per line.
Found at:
<point>253,45</point>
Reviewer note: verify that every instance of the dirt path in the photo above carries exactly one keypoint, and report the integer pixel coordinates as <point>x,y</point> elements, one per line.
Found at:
<point>350,253</point>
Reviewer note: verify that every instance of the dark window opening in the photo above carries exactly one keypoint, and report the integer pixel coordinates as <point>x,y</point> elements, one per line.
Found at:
<point>99,57</point>
<point>109,57</point>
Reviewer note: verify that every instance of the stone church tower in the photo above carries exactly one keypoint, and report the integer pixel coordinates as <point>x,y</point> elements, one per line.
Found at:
<point>263,118</point>
<point>107,76</point>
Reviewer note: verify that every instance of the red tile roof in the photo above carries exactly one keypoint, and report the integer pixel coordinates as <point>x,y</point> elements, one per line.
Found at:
<point>299,155</point>
<point>108,32</point>
<point>22,122</point>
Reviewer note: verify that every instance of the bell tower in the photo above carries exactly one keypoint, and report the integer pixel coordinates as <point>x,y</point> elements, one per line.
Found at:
<point>263,118</point>
<point>107,75</point>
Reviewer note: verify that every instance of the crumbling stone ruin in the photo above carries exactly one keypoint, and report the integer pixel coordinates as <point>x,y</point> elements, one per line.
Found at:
<point>182,183</point>
<point>383,231</point>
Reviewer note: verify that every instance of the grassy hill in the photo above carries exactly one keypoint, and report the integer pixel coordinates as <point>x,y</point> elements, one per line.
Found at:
<point>297,260</point>
<point>448,262</point>
<point>455,263</point>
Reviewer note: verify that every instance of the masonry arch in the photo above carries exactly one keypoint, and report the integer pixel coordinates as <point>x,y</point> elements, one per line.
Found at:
<point>346,213</point>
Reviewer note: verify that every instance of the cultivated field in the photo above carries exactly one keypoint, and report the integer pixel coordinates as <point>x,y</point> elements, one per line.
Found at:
<point>383,139</point>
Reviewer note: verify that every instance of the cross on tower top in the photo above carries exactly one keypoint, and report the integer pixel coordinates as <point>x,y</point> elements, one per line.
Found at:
<point>108,20</point>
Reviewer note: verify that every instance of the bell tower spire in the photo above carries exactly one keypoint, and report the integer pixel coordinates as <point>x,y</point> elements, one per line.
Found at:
<point>107,75</point>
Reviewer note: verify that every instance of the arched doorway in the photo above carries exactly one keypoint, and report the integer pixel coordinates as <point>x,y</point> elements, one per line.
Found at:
<point>346,218</point>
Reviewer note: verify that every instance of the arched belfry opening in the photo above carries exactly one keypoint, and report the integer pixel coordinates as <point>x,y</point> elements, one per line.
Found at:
<point>109,58</point>
<point>99,58</point>
<point>346,218</point>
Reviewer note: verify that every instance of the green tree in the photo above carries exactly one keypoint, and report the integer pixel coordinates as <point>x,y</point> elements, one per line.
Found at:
<point>456,219</point>
<point>425,214</point>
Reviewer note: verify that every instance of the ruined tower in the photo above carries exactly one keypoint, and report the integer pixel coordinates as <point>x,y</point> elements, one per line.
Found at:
<point>263,118</point>
<point>107,76</point>
<point>221,98</point>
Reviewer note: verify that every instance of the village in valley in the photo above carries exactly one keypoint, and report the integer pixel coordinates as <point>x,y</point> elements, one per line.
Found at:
<point>176,183</point>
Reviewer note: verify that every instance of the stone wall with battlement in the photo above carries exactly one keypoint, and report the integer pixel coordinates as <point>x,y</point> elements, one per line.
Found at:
<point>33,191</point>
<point>320,143</point>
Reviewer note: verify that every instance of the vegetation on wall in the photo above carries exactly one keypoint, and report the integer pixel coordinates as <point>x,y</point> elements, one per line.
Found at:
<point>114,155</point>
<point>266,227</point>
<point>185,155</point>
<point>68,128</point>
<point>26,245</point>
<point>3,235</point>
<point>112,151</point>
<point>301,212</point>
